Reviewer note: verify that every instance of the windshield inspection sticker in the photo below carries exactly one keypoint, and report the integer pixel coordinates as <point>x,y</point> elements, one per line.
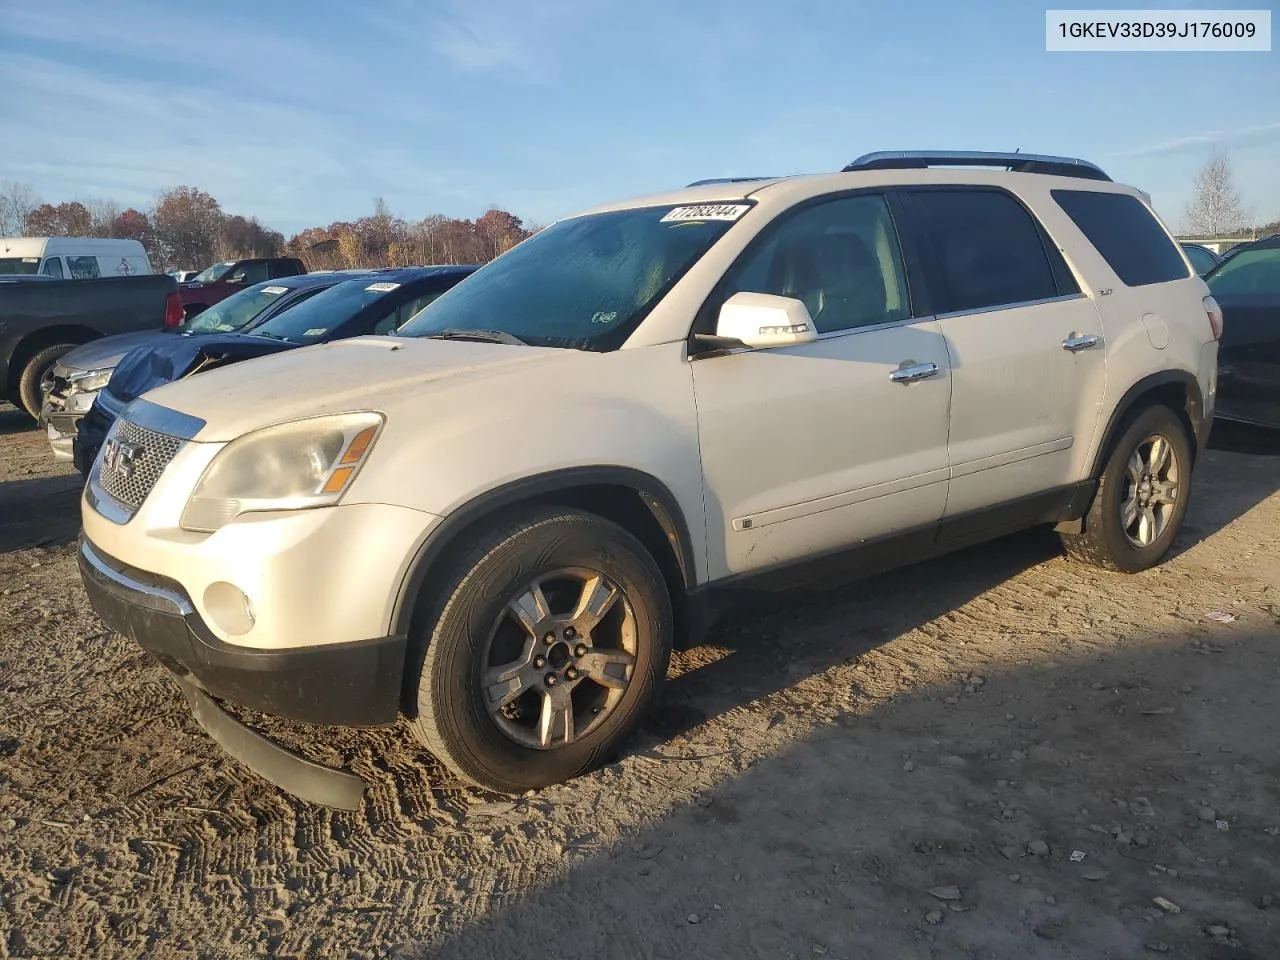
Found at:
<point>275,290</point>
<point>603,317</point>
<point>315,332</point>
<point>382,287</point>
<point>708,211</point>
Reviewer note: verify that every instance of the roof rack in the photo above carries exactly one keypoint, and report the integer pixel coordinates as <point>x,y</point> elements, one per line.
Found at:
<point>1015,162</point>
<point>703,183</point>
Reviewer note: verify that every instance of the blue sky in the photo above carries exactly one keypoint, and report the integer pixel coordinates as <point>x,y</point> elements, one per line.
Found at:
<point>302,111</point>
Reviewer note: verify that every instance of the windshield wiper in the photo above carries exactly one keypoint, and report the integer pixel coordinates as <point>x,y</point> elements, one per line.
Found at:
<point>484,336</point>
<point>271,336</point>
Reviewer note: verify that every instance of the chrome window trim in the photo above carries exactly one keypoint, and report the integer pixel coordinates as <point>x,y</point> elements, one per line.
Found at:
<point>1013,306</point>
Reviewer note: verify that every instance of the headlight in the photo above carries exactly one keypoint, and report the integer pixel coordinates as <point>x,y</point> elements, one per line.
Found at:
<point>291,466</point>
<point>91,381</point>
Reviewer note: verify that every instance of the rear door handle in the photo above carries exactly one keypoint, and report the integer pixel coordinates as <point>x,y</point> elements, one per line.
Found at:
<point>909,371</point>
<point>1080,341</point>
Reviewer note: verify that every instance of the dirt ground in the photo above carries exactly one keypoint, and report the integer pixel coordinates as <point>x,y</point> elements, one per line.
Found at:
<point>999,754</point>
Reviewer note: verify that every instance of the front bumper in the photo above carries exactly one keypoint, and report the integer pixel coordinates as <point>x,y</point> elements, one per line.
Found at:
<point>350,684</point>
<point>60,418</point>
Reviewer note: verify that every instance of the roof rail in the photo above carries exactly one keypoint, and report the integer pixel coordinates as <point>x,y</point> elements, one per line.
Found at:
<point>1015,162</point>
<point>703,183</point>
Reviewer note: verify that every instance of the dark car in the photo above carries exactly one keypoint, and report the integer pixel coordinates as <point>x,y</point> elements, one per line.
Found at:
<point>231,276</point>
<point>1247,287</point>
<point>1202,258</point>
<point>41,321</point>
<point>378,304</point>
<point>73,382</point>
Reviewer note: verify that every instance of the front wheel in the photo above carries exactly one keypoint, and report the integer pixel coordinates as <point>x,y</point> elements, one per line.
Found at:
<point>36,377</point>
<point>1142,496</point>
<point>543,651</point>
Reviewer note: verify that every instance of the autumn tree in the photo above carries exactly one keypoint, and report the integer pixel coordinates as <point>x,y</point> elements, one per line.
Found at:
<point>498,231</point>
<point>241,237</point>
<point>64,220</point>
<point>132,225</point>
<point>1215,207</point>
<point>186,222</point>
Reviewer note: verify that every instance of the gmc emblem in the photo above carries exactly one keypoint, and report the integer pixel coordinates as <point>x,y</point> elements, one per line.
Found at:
<point>120,457</point>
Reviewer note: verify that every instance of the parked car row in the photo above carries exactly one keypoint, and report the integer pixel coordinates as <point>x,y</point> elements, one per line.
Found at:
<point>299,312</point>
<point>499,517</point>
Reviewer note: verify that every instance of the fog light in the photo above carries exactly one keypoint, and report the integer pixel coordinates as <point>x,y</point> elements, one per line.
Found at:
<point>229,609</point>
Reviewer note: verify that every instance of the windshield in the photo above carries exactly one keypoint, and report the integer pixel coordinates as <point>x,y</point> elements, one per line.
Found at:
<point>312,319</point>
<point>214,273</point>
<point>235,312</point>
<point>11,265</point>
<point>584,283</point>
<point>1249,271</point>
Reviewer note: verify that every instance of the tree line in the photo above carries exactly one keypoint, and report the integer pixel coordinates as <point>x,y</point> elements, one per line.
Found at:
<point>187,229</point>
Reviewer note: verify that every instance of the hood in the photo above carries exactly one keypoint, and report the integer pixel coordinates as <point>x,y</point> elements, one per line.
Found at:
<point>365,373</point>
<point>177,356</point>
<point>106,352</point>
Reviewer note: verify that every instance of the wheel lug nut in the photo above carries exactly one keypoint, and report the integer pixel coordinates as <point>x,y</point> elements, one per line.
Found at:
<point>549,639</point>
<point>539,662</point>
<point>571,674</point>
<point>550,679</point>
<point>570,632</point>
<point>580,650</point>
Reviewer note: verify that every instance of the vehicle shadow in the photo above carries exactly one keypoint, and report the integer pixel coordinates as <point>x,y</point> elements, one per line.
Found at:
<point>752,651</point>
<point>43,512</point>
<point>13,420</point>
<point>909,829</point>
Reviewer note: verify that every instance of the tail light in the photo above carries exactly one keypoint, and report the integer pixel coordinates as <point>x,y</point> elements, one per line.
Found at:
<point>1215,316</point>
<point>173,313</point>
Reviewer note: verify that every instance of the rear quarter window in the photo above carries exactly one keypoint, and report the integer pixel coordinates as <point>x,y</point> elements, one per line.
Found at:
<point>1128,236</point>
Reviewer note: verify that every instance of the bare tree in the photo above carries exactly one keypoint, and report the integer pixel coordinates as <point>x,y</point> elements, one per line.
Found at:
<point>1215,207</point>
<point>17,201</point>
<point>102,216</point>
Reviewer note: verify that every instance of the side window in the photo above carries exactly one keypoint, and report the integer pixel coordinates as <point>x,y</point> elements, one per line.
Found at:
<point>52,267</point>
<point>840,257</point>
<point>83,268</point>
<point>284,268</point>
<point>987,250</point>
<point>249,274</point>
<point>1125,232</point>
<point>414,307</point>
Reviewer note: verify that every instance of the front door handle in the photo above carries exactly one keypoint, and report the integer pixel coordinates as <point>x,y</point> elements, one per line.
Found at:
<point>910,370</point>
<point>1080,341</point>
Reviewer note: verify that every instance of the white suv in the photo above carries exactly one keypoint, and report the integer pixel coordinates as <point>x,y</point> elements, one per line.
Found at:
<point>499,522</point>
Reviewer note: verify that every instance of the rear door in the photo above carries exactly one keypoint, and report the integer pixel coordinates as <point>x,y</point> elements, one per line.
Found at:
<point>1027,355</point>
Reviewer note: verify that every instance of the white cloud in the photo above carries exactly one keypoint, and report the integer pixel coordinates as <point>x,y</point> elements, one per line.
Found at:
<point>1219,139</point>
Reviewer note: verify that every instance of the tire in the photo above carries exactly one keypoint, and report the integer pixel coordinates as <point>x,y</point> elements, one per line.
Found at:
<point>1106,540</point>
<point>476,624</point>
<point>33,373</point>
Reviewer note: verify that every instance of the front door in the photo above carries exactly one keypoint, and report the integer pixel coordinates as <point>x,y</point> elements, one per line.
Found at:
<point>826,445</point>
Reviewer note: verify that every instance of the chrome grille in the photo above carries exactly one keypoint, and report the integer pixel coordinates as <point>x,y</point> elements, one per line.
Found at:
<point>132,460</point>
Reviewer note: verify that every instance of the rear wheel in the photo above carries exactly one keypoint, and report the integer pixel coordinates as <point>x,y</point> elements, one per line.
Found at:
<point>1142,496</point>
<point>38,371</point>
<point>544,650</point>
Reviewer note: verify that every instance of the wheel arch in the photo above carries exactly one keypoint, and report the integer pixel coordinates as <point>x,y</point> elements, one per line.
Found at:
<point>37,340</point>
<point>638,502</point>
<point>1177,389</point>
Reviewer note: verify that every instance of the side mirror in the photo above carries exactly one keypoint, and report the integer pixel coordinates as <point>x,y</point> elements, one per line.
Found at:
<point>762,320</point>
